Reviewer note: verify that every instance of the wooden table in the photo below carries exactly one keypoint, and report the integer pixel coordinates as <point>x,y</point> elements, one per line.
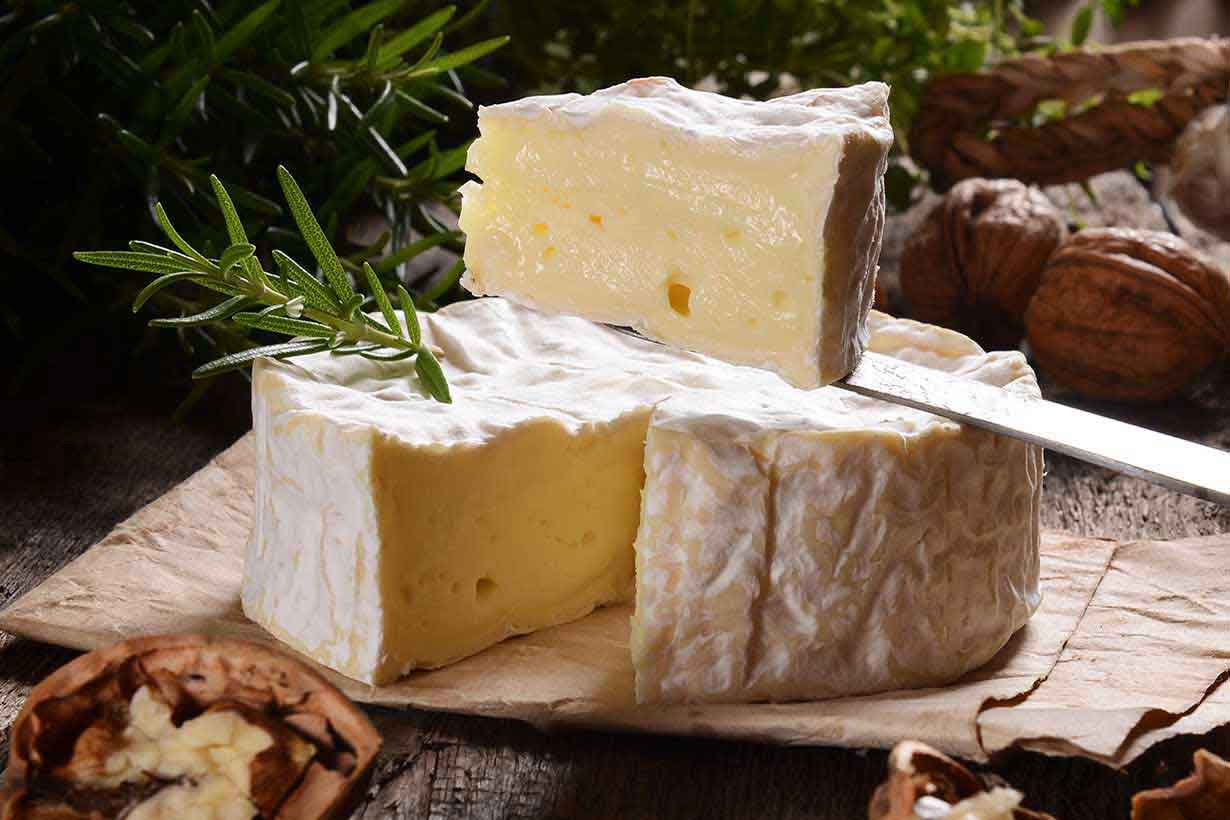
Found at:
<point>76,457</point>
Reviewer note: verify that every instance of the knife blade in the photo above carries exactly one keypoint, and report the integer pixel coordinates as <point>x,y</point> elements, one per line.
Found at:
<point>1172,462</point>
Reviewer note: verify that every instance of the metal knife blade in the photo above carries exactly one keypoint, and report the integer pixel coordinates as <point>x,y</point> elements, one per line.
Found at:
<point>1171,462</point>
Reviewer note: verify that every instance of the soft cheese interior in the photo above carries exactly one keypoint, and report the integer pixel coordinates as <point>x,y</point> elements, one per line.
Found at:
<point>791,543</point>
<point>748,231</point>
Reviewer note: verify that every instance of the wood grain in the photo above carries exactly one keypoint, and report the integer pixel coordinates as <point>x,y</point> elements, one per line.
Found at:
<point>76,458</point>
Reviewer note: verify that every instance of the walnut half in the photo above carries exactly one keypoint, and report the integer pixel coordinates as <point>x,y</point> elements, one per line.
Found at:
<point>186,726</point>
<point>924,784</point>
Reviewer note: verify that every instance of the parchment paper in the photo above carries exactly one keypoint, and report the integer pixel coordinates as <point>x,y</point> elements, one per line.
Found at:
<point>1130,646</point>
<point>1157,635</point>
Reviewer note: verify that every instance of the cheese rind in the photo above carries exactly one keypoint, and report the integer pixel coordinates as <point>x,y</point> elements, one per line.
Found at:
<point>805,556</point>
<point>394,532</point>
<point>831,563</point>
<point>749,231</point>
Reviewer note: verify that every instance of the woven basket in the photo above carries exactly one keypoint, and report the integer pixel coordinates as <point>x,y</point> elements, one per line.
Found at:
<point>965,125</point>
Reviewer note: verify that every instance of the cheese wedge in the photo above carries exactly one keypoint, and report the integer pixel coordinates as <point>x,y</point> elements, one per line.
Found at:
<point>781,530</point>
<point>749,231</point>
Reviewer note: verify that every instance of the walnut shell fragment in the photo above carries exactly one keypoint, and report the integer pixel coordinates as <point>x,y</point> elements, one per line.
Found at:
<point>1128,315</point>
<point>924,783</point>
<point>186,726</point>
<point>1204,795</point>
<point>975,261</point>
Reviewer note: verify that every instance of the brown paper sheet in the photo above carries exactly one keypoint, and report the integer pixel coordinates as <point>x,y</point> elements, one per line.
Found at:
<point>1156,635</point>
<point>1073,681</point>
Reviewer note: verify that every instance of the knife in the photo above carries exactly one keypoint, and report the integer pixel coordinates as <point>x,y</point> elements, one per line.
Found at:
<point>1171,462</point>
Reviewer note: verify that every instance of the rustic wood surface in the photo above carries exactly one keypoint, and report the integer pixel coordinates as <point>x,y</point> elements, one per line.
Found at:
<point>78,456</point>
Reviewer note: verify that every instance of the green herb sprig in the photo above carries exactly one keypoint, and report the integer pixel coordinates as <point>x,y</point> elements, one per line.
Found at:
<point>320,315</point>
<point>109,106</point>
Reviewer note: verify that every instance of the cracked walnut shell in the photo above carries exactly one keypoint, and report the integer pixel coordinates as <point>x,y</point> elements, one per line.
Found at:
<point>1204,795</point>
<point>976,259</point>
<point>186,726</point>
<point>924,783</point>
<point>1128,315</point>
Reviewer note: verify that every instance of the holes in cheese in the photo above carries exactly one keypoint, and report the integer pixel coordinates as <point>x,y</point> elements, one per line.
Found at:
<point>680,297</point>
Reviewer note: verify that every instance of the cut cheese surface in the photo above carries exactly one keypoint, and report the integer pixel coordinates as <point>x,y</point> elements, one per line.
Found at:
<point>749,231</point>
<point>393,532</point>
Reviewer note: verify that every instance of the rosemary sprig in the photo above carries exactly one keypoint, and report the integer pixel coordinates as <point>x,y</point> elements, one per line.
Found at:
<point>320,315</point>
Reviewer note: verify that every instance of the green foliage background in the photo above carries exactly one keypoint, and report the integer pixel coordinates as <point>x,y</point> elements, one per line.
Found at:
<point>756,48</point>
<point>745,47</point>
<point>107,106</point>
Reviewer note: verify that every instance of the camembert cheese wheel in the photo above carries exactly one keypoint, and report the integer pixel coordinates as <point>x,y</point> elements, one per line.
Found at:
<point>779,543</point>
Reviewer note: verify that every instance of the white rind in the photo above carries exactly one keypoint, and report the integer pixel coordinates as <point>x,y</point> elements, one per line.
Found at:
<point>797,557</point>
<point>935,526</point>
<point>782,123</point>
<point>311,568</point>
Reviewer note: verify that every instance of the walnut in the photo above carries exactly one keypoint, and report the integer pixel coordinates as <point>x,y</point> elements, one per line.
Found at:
<point>1204,795</point>
<point>1129,315</point>
<point>1199,179</point>
<point>974,262</point>
<point>186,726</point>
<point>923,783</point>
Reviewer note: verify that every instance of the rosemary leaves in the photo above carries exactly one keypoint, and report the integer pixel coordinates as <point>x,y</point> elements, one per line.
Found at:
<point>318,314</point>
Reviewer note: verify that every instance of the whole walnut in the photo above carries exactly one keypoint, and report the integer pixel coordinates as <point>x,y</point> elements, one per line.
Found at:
<point>975,261</point>
<point>1128,315</point>
<point>1200,171</point>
